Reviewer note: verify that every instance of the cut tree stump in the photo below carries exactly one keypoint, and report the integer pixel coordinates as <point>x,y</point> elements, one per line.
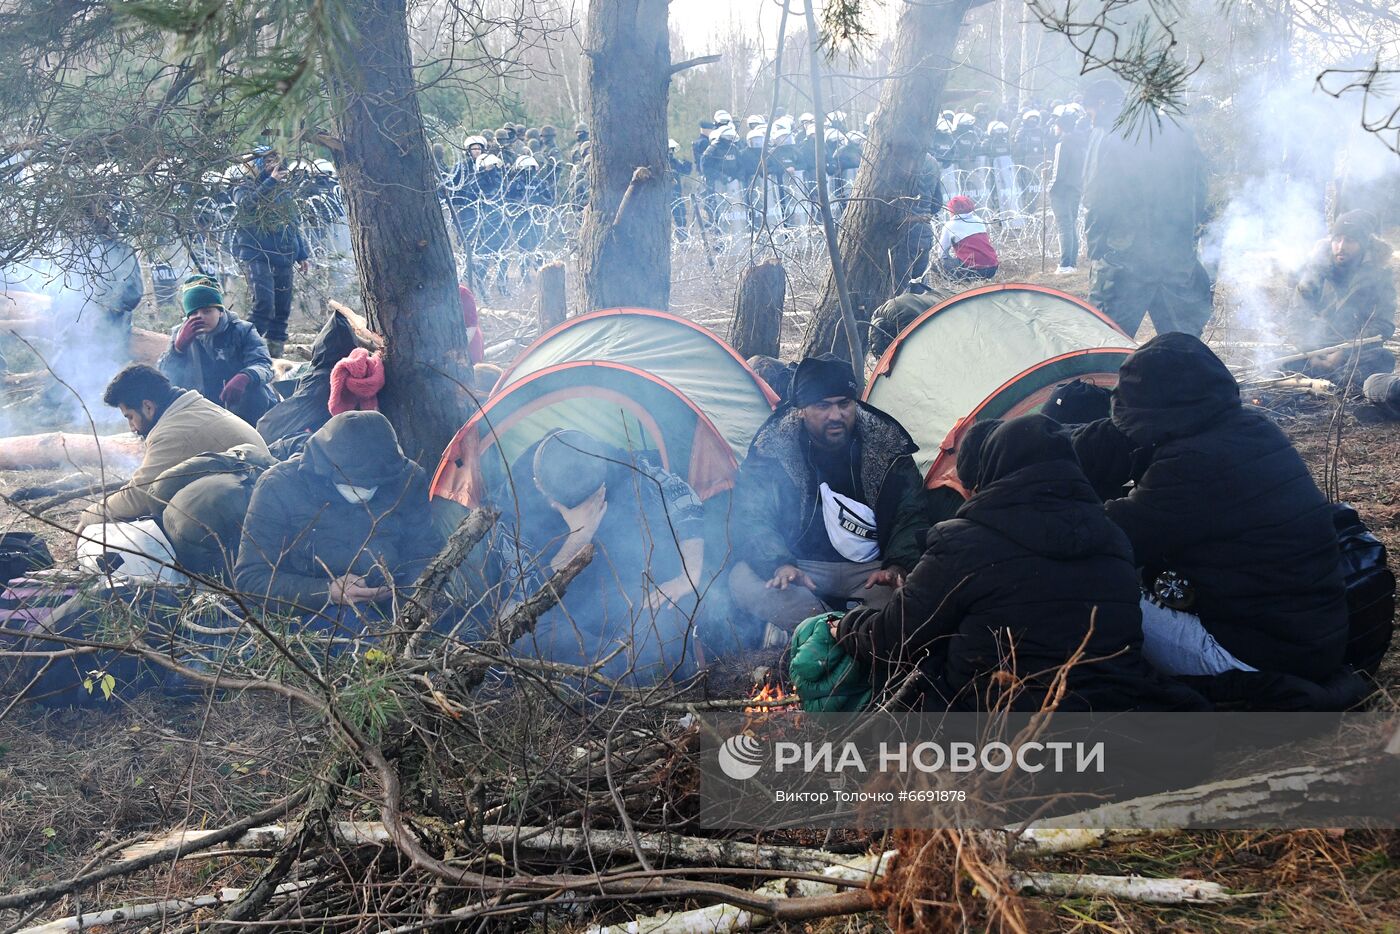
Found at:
<point>758,310</point>
<point>553,306</point>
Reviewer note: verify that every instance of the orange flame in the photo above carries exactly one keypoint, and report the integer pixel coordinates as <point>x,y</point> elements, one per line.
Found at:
<point>772,697</point>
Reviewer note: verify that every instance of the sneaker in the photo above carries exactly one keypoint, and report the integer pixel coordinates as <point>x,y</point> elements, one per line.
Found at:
<point>1065,270</point>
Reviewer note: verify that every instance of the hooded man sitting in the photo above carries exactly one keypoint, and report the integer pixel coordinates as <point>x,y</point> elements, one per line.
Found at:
<point>214,352</point>
<point>1234,540</point>
<point>642,587</point>
<point>177,424</point>
<point>344,523</point>
<point>1346,293</point>
<point>1028,574</point>
<point>818,499</point>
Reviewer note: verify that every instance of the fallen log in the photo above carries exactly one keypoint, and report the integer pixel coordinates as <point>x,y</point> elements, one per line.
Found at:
<point>145,346</point>
<point>1315,795</point>
<point>21,304</point>
<point>170,906</point>
<point>1306,355</point>
<point>1313,387</point>
<point>1048,841</point>
<point>1126,888</point>
<point>723,918</point>
<point>695,850</point>
<point>55,449</point>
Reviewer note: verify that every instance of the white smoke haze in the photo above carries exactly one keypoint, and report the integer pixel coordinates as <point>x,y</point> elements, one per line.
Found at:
<point>74,340</point>
<point>1303,156</point>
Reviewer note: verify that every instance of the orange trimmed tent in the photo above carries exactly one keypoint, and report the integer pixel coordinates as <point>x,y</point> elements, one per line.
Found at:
<point>993,352</point>
<point>639,379</point>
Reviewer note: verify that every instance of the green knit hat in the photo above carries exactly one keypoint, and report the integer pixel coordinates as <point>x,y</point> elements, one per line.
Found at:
<point>200,291</point>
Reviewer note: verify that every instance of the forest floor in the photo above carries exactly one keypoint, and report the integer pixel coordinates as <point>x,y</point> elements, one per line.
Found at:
<point>73,783</point>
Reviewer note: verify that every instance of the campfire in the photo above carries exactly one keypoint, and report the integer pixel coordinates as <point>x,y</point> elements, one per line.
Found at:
<point>772,696</point>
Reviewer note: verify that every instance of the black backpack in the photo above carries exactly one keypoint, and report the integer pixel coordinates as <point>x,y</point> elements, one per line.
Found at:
<point>22,553</point>
<point>1370,591</point>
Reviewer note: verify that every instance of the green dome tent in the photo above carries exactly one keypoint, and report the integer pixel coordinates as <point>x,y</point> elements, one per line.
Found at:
<point>641,380</point>
<point>689,357</point>
<point>993,352</point>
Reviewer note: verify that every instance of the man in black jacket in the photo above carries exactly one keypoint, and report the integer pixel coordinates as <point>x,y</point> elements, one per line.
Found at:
<point>1027,575</point>
<point>219,355</point>
<point>818,498</point>
<point>1232,536</point>
<point>331,534</point>
<point>1145,201</point>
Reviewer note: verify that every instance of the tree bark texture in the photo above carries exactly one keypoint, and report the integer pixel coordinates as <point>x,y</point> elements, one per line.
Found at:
<point>553,306</point>
<point>758,310</point>
<point>625,244</point>
<point>874,242</point>
<point>408,275</point>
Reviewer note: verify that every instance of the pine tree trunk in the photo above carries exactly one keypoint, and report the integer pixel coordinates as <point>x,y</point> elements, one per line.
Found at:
<point>625,245</point>
<point>873,240</point>
<point>408,275</point>
<point>758,310</point>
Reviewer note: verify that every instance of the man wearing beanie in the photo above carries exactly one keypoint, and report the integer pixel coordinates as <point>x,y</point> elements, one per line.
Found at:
<point>218,355</point>
<point>1346,293</point>
<point>817,500</point>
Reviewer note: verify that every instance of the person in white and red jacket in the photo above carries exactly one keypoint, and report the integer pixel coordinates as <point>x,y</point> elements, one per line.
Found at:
<point>964,247</point>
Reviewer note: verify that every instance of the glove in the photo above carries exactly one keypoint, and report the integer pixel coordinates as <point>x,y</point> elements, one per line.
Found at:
<point>187,335</point>
<point>234,389</point>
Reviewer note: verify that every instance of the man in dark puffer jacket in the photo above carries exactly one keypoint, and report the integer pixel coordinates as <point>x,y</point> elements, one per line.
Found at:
<point>340,526</point>
<point>1226,503</point>
<point>1028,572</point>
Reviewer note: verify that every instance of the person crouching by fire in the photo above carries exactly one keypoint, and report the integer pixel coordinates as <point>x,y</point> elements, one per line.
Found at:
<point>818,499</point>
<point>1346,293</point>
<point>334,532</point>
<point>222,357</point>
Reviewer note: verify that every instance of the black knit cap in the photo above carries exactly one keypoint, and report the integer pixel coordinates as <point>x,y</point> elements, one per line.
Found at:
<point>823,377</point>
<point>1358,225</point>
<point>1078,402</point>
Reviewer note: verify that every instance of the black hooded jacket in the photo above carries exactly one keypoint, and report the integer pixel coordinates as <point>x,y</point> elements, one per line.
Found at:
<point>300,532</point>
<point>1028,572</point>
<point>1227,502</point>
<point>308,407</point>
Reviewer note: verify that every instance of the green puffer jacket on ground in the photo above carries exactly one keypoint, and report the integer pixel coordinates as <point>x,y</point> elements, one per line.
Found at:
<point>828,680</point>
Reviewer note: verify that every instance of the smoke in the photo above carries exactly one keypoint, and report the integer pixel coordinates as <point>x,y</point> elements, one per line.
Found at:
<point>81,337</point>
<point>1301,153</point>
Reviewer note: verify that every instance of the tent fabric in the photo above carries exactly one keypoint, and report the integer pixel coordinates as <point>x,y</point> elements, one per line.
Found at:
<point>992,352</point>
<point>683,354</point>
<point>620,405</point>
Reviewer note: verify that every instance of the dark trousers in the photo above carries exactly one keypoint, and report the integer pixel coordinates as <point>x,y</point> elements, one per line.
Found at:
<point>1065,204</point>
<point>270,285</point>
<point>1128,288</point>
<point>955,268</point>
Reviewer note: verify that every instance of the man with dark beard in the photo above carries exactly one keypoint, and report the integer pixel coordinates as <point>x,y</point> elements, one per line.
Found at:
<point>177,424</point>
<point>818,498</point>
